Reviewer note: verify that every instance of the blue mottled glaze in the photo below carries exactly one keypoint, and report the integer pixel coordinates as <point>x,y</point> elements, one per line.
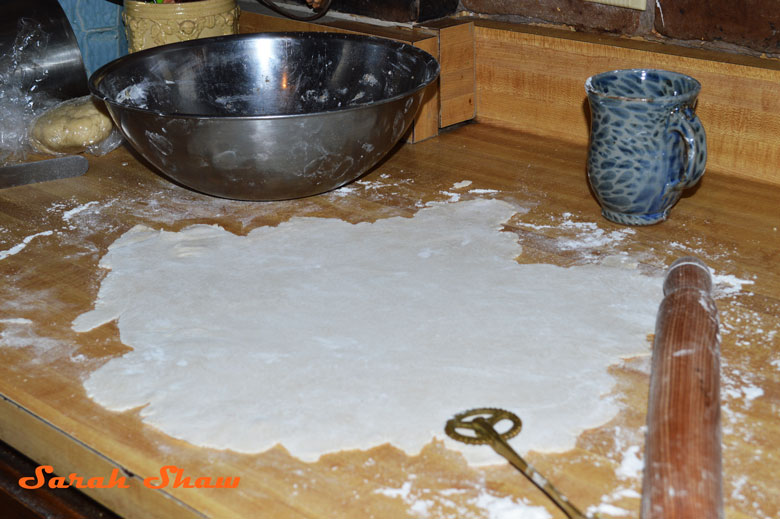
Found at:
<point>646,142</point>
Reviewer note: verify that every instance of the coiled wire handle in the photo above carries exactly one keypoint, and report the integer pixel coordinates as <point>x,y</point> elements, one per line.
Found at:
<point>481,424</point>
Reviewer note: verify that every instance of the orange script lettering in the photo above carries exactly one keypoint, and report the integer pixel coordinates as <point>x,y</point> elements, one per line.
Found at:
<point>182,481</point>
<point>39,480</point>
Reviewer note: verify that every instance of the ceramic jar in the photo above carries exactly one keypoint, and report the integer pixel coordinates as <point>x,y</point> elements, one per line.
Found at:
<point>149,25</point>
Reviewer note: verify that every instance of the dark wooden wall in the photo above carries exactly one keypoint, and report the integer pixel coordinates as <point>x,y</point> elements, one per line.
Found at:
<point>744,26</point>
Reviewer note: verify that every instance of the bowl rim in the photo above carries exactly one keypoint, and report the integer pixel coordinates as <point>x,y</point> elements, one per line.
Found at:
<point>432,69</point>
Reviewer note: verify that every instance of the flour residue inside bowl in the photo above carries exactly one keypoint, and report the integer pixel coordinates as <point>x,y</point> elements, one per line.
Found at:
<point>134,95</point>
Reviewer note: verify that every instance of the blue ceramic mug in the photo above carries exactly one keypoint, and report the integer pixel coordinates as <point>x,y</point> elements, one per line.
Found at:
<point>646,142</point>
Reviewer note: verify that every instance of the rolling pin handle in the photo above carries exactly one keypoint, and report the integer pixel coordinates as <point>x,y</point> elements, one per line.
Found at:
<point>688,272</point>
<point>682,477</point>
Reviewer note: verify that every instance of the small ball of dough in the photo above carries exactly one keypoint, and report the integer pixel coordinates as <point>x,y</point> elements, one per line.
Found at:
<point>71,127</point>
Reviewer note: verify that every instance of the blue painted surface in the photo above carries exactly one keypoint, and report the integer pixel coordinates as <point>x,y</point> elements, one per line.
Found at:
<point>99,30</point>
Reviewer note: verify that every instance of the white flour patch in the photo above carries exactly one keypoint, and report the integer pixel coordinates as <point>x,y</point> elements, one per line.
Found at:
<point>20,333</point>
<point>738,487</point>
<point>402,492</point>
<point>422,502</point>
<point>70,213</point>
<point>626,493</point>
<point>382,188</point>
<point>461,184</point>
<point>608,509</point>
<point>737,387</point>
<point>729,284</point>
<point>326,336</point>
<point>627,496</point>
<point>15,320</point>
<point>19,247</point>
<point>371,184</point>
<point>632,464</point>
<point>508,508</point>
<point>451,198</point>
<point>588,235</point>
<point>586,239</point>
<point>752,392</point>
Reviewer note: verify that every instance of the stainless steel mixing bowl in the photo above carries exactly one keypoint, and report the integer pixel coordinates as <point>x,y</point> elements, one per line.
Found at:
<point>266,116</point>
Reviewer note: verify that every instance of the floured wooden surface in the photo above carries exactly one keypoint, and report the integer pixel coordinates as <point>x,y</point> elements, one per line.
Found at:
<point>52,236</point>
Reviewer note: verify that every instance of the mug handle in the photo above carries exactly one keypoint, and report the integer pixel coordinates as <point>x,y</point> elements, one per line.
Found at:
<point>687,124</point>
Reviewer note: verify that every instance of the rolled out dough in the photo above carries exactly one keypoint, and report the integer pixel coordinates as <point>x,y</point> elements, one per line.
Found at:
<point>323,335</point>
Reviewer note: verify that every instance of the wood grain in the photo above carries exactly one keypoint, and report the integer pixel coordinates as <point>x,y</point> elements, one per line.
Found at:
<point>683,467</point>
<point>426,124</point>
<point>532,79</point>
<point>40,503</point>
<point>45,412</point>
<point>457,59</point>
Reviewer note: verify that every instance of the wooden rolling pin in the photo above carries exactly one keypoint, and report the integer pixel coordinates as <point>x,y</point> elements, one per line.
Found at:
<point>682,475</point>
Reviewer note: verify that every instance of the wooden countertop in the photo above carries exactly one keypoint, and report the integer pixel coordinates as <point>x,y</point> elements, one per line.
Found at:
<point>52,236</point>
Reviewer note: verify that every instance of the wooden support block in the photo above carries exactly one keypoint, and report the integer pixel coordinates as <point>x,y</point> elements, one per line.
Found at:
<point>456,56</point>
<point>426,124</point>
